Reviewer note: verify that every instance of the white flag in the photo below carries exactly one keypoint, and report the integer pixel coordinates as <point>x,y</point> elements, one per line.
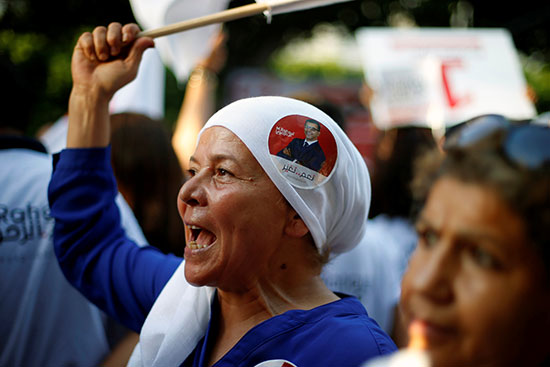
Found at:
<point>179,52</point>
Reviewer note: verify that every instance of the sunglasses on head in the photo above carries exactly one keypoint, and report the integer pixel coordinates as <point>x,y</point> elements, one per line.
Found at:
<point>525,144</point>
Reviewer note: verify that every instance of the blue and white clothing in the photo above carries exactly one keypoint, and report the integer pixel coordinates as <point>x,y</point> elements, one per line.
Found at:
<point>126,280</point>
<point>336,334</point>
<point>373,270</point>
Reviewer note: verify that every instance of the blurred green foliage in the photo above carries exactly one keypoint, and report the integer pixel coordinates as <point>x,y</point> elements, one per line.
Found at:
<point>538,78</point>
<point>303,70</point>
<point>39,37</point>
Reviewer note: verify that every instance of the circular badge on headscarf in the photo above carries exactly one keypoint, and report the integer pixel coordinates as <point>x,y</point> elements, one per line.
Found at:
<point>303,150</point>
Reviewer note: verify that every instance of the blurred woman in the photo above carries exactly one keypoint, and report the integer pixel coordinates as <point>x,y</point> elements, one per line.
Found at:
<point>478,282</point>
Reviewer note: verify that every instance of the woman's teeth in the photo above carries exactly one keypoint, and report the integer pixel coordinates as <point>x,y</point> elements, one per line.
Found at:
<point>193,245</point>
<point>195,231</point>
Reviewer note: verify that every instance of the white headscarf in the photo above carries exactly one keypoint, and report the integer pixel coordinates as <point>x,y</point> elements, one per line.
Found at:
<point>335,211</point>
<point>334,207</point>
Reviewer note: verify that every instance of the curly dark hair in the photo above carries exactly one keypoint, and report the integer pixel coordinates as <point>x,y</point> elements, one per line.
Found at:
<point>525,190</point>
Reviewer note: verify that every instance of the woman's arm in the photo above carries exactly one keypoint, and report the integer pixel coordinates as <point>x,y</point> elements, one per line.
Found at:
<point>199,101</point>
<point>103,62</point>
<point>92,249</point>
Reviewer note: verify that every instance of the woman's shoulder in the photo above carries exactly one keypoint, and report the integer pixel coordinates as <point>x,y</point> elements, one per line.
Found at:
<point>339,333</point>
<point>344,324</point>
<point>350,324</point>
<point>342,334</point>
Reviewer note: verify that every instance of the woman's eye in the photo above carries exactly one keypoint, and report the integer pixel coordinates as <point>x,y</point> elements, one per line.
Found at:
<point>427,238</point>
<point>483,258</point>
<point>223,172</point>
<point>191,172</point>
<point>431,238</point>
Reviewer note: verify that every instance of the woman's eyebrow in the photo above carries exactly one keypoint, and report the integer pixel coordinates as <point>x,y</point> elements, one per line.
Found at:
<point>487,237</point>
<point>422,222</point>
<point>215,158</point>
<point>223,157</point>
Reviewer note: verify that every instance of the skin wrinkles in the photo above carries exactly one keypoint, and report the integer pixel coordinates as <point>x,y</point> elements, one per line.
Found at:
<point>220,159</point>
<point>256,231</point>
<point>224,196</point>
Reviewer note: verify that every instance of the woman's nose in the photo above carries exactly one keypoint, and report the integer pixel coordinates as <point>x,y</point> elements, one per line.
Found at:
<point>433,273</point>
<point>192,192</point>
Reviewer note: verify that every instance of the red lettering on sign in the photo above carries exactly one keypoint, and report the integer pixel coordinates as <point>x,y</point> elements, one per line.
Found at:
<point>452,98</point>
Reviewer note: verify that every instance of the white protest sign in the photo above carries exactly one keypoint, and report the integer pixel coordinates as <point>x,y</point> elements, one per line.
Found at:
<point>438,77</point>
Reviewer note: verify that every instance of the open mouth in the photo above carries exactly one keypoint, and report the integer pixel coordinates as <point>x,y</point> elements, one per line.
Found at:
<point>199,238</point>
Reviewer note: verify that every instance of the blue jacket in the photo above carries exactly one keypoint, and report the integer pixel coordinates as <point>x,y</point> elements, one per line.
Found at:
<point>125,280</point>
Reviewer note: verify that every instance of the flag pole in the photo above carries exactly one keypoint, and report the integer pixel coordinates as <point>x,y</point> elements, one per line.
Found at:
<point>223,16</point>
<point>268,6</point>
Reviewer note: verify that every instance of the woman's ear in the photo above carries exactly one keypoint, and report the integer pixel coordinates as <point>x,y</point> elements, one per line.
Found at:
<point>295,226</point>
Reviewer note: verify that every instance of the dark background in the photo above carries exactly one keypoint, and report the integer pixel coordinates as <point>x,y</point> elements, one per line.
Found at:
<point>39,37</point>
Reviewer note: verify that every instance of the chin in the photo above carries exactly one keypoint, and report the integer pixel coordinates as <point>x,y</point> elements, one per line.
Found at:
<point>449,359</point>
<point>196,278</point>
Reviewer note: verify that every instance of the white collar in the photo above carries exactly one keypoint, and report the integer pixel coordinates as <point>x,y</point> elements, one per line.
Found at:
<point>176,323</point>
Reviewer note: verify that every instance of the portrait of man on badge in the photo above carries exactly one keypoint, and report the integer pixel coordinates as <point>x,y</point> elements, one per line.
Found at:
<point>308,151</point>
